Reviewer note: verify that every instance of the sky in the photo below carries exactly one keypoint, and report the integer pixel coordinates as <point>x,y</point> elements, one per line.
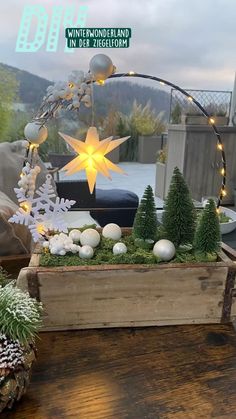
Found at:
<point>188,42</point>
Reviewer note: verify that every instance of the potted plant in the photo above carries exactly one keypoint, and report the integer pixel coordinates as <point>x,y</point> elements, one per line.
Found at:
<point>20,318</point>
<point>193,116</point>
<point>218,113</point>
<point>160,173</point>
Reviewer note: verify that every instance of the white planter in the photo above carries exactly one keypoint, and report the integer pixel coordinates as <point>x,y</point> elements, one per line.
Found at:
<point>226,228</point>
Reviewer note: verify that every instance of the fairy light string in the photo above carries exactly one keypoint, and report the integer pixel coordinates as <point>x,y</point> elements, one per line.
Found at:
<point>43,116</point>
<point>211,121</point>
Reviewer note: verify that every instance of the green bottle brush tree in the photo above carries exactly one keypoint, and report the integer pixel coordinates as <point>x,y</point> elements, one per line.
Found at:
<point>207,237</point>
<point>179,217</point>
<point>145,222</point>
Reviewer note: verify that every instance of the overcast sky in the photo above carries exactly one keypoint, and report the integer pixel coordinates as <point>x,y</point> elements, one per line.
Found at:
<point>189,42</point>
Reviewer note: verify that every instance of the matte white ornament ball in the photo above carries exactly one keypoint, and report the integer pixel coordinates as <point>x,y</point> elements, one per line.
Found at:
<point>62,252</point>
<point>35,133</point>
<point>101,67</point>
<point>75,235</point>
<point>112,231</point>
<point>62,236</point>
<point>58,247</point>
<point>53,250</point>
<point>119,249</point>
<point>68,246</point>
<point>46,244</point>
<point>74,248</point>
<point>86,252</point>
<point>90,236</point>
<point>164,249</point>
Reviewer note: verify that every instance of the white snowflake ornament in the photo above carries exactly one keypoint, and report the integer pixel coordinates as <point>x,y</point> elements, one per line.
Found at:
<point>41,212</point>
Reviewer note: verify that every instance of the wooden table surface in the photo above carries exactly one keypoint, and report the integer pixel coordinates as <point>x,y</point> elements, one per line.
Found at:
<point>145,373</point>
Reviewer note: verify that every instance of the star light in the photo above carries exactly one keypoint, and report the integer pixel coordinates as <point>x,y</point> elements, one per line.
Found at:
<point>91,156</point>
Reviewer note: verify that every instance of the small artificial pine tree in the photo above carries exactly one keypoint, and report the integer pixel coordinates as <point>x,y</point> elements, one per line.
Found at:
<point>207,237</point>
<point>145,222</point>
<point>179,215</point>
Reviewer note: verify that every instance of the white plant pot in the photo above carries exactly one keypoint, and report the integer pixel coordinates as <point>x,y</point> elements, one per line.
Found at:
<point>226,228</point>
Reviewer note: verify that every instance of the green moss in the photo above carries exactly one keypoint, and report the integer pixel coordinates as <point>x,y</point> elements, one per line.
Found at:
<point>103,255</point>
<point>194,257</point>
<point>206,257</point>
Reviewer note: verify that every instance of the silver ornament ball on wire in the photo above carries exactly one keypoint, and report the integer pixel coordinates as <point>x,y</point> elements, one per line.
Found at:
<point>101,67</point>
<point>35,132</point>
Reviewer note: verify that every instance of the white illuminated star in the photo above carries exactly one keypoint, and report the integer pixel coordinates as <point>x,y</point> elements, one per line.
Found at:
<point>91,156</point>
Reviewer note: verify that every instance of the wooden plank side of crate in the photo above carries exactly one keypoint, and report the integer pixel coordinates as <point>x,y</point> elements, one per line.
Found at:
<point>83,299</point>
<point>229,311</point>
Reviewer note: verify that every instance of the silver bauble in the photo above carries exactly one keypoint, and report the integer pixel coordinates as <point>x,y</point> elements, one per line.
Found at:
<point>35,132</point>
<point>75,235</point>
<point>164,250</point>
<point>86,252</point>
<point>119,248</point>
<point>112,231</point>
<point>101,67</point>
<point>90,237</point>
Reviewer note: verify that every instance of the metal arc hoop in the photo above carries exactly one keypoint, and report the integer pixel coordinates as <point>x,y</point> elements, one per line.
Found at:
<point>202,109</point>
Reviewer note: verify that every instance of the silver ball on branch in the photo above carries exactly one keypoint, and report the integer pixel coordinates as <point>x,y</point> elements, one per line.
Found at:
<point>164,250</point>
<point>101,67</point>
<point>35,133</point>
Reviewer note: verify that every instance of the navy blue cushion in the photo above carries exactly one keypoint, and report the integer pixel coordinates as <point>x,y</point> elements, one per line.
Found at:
<point>120,207</point>
<point>77,190</point>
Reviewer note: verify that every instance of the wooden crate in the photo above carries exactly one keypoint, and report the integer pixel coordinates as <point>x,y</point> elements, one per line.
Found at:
<point>84,297</point>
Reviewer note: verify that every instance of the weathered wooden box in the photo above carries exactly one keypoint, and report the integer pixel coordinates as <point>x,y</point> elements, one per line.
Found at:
<point>86,297</point>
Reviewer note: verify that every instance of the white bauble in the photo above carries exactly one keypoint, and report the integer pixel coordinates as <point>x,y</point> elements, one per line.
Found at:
<point>35,132</point>
<point>119,248</point>
<point>75,235</point>
<point>58,247</point>
<point>86,252</point>
<point>74,248</point>
<point>112,231</point>
<point>101,67</point>
<point>62,252</point>
<point>53,251</point>
<point>45,244</point>
<point>90,236</point>
<point>62,236</point>
<point>68,246</point>
<point>164,249</point>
